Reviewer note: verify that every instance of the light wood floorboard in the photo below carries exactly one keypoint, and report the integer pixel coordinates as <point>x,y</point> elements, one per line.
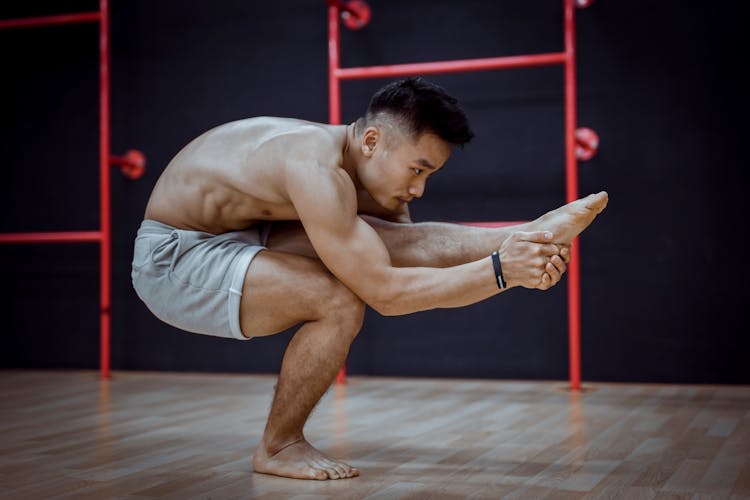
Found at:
<point>68,434</point>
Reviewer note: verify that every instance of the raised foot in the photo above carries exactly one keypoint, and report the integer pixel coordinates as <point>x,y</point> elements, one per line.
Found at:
<point>300,460</point>
<point>570,220</point>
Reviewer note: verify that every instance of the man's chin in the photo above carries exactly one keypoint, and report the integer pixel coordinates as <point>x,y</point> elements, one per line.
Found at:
<point>389,203</point>
<point>397,204</point>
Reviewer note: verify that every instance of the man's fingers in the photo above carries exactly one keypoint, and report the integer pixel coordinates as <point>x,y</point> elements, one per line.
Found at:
<point>549,250</point>
<point>559,264</point>
<point>529,252</point>
<point>536,236</point>
<point>565,252</point>
<point>541,238</point>
<point>553,272</point>
<point>546,282</point>
<point>562,249</point>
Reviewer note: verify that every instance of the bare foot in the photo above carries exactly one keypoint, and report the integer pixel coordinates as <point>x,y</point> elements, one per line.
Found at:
<point>570,220</point>
<point>300,460</point>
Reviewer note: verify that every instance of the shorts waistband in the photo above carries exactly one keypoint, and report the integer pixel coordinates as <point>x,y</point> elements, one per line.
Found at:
<point>149,226</point>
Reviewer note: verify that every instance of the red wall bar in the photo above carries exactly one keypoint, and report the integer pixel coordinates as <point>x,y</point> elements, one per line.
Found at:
<point>566,58</point>
<point>103,236</point>
<point>571,193</point>
<point>457,66</point>
<point>32,22</point>
<point>334,85</point>
<point>334,93</point>
<point>57,237</point>
<point>104,197</point>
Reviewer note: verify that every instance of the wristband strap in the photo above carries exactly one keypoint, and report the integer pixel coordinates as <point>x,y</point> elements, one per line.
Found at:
<point>498,270</point>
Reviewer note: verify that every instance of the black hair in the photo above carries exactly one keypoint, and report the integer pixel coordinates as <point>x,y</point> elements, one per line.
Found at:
<point>422,107</point>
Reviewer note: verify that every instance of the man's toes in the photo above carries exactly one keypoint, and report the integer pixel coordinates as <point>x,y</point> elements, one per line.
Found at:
<point>598,201</point>
<point>337,472</point>
<point>338,468</point>
<point>327,466</point>
<point>351,471</point>
<point>316,470</point>
<point>348,470</point>
<point>319,474</point>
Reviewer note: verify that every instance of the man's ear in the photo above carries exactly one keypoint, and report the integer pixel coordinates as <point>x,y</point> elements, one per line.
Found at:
<point>370,139</point>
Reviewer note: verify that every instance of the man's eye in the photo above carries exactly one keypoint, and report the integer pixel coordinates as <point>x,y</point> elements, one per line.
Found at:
<point>417,171</point>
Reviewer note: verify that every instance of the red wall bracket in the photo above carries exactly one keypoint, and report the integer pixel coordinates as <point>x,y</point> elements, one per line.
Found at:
<point>587,143</point>
<point>356,14</point>
<point>132,164</point>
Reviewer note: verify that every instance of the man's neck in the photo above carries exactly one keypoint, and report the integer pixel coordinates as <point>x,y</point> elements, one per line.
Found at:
<point>351,155</point>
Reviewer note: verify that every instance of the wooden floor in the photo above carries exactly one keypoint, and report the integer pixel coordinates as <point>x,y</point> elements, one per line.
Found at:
<point>150,435</point>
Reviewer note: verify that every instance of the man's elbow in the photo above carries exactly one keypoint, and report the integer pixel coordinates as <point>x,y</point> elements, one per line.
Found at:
<point>394,305</point>
<point>384,308</point>
<point>386,298</point>
<point>387,306</point>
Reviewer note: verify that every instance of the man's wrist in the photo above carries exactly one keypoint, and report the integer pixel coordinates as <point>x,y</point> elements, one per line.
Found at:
<point>501,284</point>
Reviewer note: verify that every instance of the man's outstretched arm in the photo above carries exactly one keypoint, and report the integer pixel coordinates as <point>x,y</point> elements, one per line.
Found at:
<point>326,202</point>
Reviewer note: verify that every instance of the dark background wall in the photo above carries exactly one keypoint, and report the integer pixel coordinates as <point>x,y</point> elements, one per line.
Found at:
<point>663,269</point>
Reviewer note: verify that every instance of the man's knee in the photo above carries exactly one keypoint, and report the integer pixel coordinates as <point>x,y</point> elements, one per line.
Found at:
<point>343,308</point>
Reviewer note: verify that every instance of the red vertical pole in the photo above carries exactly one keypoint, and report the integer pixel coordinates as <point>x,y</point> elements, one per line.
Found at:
<point>334,93</point>
<point>334,85</point>
<point>104,200</point>
<point>571,193</point>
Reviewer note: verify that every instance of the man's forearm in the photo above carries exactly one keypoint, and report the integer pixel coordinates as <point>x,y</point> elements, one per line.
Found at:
<point>525,258</point>
<point>415,289</point>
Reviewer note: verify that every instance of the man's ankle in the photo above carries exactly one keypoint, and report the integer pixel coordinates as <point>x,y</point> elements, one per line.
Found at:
<point>274,444</point>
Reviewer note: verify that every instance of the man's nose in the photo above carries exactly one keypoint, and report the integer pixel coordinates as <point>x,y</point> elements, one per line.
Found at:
<point>417,189</point>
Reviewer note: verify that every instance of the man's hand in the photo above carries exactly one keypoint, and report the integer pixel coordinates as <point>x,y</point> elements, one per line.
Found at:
<point>555,268</point>
<point>531,260</point>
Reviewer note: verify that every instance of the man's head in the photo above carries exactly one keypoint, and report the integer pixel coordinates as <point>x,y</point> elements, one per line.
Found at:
<point>405,136</point>
<point>420,107</point>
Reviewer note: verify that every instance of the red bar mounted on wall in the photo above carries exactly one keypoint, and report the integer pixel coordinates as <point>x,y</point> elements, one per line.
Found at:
<point>575,147</point>
<point>132,166</point>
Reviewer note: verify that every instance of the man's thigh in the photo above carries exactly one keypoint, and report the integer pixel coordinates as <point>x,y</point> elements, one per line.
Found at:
<point>282,289</point>
<point>409,245</point>
<point>290,236</point>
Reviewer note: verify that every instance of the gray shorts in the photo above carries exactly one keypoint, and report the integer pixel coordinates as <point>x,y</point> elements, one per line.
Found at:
<point>193,280</point>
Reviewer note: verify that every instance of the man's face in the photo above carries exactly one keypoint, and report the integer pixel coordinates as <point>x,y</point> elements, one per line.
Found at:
<point>398,166</point>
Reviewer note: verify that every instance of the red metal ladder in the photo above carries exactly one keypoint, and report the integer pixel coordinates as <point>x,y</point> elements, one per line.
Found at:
<point>579,143</point>
<point>132,165</point>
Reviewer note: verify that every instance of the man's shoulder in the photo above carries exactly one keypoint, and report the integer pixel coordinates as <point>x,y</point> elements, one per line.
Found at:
<point>319,133</point>
<point>270,127</point>
<point>287,124</point>
<point>308,144</point>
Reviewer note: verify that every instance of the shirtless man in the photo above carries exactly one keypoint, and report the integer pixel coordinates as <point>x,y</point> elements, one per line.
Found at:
<point>346,241</point>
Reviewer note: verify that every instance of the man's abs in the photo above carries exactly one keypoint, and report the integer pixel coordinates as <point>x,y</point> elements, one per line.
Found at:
<point>210,206</point>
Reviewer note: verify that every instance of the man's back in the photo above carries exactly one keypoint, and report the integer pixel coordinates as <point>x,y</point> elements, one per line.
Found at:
<point>233,175</point>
